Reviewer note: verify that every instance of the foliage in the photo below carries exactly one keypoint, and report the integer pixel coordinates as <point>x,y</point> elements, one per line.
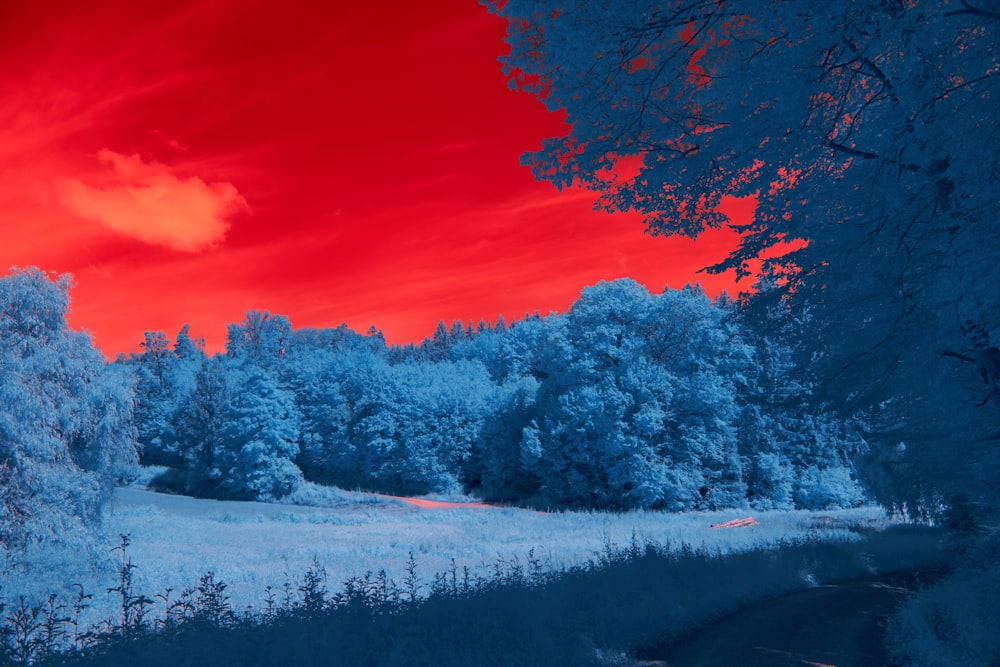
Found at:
<point>240,433</point>
<point>641,412</point>
<point>629,400</point>
<point>865,132</point>
<point>66,430</point>
<point>163,375</point>
<point>951,622</point>
<point>260,338</point>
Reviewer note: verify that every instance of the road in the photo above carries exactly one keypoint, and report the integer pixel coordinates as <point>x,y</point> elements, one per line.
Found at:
<point>838,625</point>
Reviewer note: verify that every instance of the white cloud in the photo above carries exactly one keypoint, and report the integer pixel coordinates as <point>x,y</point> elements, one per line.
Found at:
<point>146,201</point>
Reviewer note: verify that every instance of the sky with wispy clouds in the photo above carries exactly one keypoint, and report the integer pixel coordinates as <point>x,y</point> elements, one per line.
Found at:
<point>333,162</point>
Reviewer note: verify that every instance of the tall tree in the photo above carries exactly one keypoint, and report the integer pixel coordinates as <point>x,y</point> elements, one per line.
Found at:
<point>198,424</point>
<point>165,377</point>
<point>641,411</point>
<point>261,337</point>
<point>239,433</point>
<point>66,434</point>
<point>156,398</point>
<point>866,132</point>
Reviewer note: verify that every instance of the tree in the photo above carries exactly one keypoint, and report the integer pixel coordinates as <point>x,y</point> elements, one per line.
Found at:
<point>66,433</point>
<point>198,424</point>
<point>320,378</point>
<point>261,337</point>
<point>165,377</point>
<point>496,468</point>
<point>156,399</point>
<point>866,133</point>
<point>414,425</point>
<point>642,409</point>
<point>795,454</point>
<point>239,432</point>
<point>260,436</point>
<point>189,348</point>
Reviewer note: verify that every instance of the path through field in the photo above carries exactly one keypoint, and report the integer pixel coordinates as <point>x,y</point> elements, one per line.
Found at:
<point>424,503</point>
<point>838,625</point>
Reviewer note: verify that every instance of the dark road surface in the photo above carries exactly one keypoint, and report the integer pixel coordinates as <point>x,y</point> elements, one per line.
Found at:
<point>839,625</point>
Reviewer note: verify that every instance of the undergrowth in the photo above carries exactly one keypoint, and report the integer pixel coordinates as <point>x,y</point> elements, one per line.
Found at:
<point>519,612</point>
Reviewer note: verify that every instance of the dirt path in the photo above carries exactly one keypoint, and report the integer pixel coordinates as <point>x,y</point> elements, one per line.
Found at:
<point>839,625</point>
<point>423,503</point>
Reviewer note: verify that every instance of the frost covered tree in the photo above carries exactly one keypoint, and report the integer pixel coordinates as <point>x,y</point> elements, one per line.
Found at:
<point>642,412</point>
<point>866,133</point>
<point>164,377</point>
<point>414,425</point>
<point>261,337</point>
<point>239,432</point>
<point>66,433</point>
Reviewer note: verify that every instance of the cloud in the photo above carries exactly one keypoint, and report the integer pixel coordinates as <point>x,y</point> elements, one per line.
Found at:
<point>147,202</point>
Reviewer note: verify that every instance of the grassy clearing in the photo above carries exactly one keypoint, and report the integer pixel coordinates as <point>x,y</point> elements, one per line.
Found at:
<point>251,546</point>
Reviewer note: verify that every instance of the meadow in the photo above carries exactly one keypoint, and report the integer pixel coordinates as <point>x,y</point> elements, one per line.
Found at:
<point>174,540</point>
<point>335,577</point>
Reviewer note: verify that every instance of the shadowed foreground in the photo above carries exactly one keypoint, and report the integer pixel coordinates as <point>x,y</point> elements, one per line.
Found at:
<point>627,599</point>
<point>836,625</point>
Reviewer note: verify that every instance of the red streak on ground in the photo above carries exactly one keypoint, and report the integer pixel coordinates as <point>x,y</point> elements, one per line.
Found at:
<point>423,503</point>
<point>736,523</point>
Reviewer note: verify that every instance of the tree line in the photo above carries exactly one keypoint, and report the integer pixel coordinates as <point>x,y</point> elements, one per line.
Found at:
<point>628,400</point>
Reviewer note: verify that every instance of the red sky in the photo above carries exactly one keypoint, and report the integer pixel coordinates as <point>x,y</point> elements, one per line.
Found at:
<point>332,162</point>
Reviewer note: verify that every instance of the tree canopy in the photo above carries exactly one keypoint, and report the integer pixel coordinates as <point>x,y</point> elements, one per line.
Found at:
<point>628,400</point>
<point>866,132</point>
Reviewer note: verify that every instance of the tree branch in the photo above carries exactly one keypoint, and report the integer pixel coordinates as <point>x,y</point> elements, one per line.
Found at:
<point>945,93</point>
<point>975,11</point>
<point>949,353</point>
<point>850,151</point>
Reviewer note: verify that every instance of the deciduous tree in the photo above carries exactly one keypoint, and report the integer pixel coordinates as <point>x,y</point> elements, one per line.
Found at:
<point>866,132</point>
<point>66,433</point>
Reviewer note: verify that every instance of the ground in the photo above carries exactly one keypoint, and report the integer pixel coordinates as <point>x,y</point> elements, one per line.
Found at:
<point>176,539</point>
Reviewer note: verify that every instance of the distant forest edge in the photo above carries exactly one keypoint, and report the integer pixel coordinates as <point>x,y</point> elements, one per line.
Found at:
<point>628,400</point>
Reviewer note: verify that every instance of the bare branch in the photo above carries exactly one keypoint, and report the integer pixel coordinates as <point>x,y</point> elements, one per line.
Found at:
<point>975,11</point>
<point>949,353</point>
<point>850,151</point>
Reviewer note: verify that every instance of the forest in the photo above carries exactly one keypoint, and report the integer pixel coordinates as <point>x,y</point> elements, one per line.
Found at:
<point>628,400</point>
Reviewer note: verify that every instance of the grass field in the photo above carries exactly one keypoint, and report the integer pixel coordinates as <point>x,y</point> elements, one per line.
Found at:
<point>250,546</point>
